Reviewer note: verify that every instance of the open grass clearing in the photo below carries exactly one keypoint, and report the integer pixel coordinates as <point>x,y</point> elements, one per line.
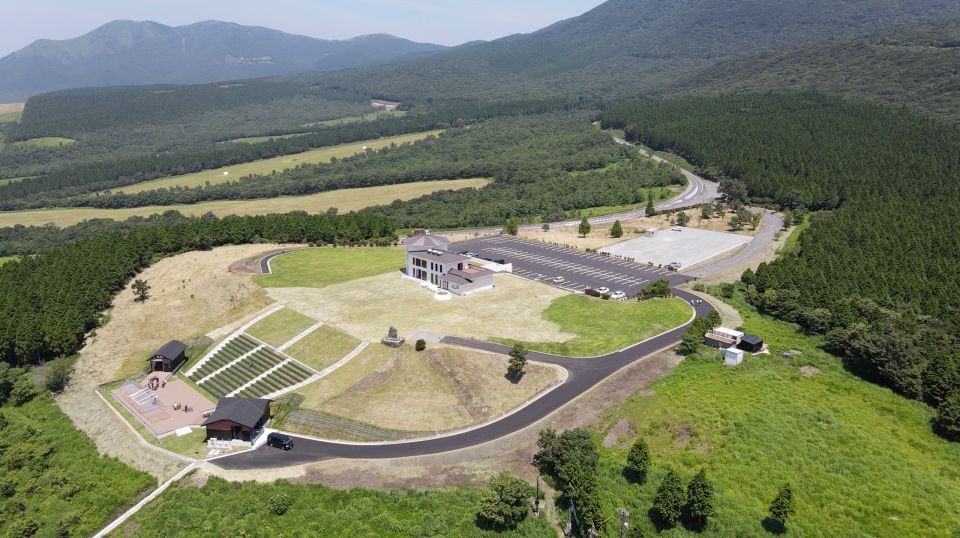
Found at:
<point>792,243</point>
<point>319,267</point>
<point>367,307</point>
<point>279,327</point>
<point>857,455</point>
<point>44,142</point>
<point>10,117</point>
<point>322,347</point>
<point>345,200</point>
<point>265,167</point>
<point>9,180</point>
<point>371,116</point>
<point>7,259</point>
<point>374,357</point>
<point>606,326</point>
<point>439,389</point>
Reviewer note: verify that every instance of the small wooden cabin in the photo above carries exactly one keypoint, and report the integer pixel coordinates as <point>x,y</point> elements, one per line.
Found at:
<point>169,357</point>
<point>238,419</point>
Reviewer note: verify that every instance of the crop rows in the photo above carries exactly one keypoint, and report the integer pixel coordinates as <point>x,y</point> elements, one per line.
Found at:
<point>287,375</point>
<point>228,353</point>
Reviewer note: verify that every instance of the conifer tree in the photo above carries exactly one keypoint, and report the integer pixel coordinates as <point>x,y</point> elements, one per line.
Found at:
<point>700,499</point>
<point>670,499</point>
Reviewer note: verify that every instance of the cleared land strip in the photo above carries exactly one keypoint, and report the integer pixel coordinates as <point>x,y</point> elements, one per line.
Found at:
<point>344,200</point>
<point>274,164</point>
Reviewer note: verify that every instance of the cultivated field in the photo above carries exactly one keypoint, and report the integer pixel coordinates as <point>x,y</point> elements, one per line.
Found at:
<point>366,307</point>
<point>10,108</point>
<point>319,267</point>
<point>344,200</point>
<point>439,389</point>
<point>276,164</point>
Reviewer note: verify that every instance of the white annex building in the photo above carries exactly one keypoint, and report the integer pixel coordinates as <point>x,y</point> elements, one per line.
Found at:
<point>428,260</point>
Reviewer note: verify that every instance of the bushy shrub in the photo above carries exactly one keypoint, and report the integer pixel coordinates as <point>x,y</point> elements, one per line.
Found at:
<point>279,503</point>
<point>421,345</point>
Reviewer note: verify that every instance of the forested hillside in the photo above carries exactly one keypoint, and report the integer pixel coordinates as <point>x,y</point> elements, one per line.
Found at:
<point>916,66</point>
<point>879,270</point>
<point>48,302</point>
<point>625,47</point>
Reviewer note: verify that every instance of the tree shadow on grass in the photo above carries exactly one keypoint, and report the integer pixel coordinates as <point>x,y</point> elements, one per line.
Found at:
<point>658,522</point>
<point>773,526</point>
<point>632,476</point>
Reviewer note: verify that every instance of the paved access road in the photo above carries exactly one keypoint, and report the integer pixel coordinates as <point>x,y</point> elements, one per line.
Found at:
<point>771,225</point>
<point>583,374</point>
<point>580,270</point>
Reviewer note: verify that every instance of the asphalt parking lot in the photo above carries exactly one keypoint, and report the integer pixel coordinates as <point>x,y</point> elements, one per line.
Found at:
<point>580,270</point>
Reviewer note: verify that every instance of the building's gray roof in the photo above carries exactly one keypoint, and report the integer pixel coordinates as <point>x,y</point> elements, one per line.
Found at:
<point>426,241</point>
<point>440,256</point>
<point>751,339</point>
<point>243,411</point>
<point>471,273</point>
<point>171,350</point>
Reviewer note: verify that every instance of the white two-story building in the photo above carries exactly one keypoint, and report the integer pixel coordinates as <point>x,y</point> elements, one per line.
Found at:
<point>428,259</point>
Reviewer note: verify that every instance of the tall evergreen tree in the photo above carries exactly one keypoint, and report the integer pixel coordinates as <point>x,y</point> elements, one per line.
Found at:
<point>518,362</point>
<point>616,230</point>
<point>782,506</point>
<point>638,460</point>
<point>651,208</point>
<point>670,499</point>
<point>700,499</point>
<point>584,227</point>
<point>512,227</point>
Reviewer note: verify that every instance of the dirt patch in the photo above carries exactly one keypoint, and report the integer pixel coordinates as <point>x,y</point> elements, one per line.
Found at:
<point>809,371</point>
<point>683,435</point>
<point>619,431</point>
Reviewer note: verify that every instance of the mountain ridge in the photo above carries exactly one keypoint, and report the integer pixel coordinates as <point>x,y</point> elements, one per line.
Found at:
<point>126,52</point>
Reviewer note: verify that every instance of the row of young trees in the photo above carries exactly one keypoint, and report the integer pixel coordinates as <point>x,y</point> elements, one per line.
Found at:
<point>49,301</point>
<point>875,276</point>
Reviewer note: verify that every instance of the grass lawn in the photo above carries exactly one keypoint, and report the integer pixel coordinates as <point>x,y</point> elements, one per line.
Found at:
<point>10,117</point>
<point>316,268</point>
<point>5,259</point>
<point>792,242</point>
<point>44,142</point>
<point>861,460</point>
<point>606,326</point>
<point>11,179</point>
<point>345,200</point>
<point>279,327</point>
<point>322,347</point>
<point>374,357</point>
<point>189,509</point>
<point>660,193</point>
<point>274,164</point>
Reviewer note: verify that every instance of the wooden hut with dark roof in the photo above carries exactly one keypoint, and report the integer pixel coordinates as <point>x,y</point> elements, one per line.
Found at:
<point>169,357</point>
<point>238,418</point>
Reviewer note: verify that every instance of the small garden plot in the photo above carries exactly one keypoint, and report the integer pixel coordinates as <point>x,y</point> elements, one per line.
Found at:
<point>278,328</point>
<point>606,326</point>
<point>323,347</point>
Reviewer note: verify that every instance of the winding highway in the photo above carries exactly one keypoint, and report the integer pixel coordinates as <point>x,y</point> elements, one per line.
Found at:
<point>582,375</point>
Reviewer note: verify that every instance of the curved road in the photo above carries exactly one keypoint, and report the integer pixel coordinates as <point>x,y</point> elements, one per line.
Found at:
<point>583,374</point>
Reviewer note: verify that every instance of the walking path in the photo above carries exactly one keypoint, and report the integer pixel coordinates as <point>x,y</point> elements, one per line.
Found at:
<point>136,508</point>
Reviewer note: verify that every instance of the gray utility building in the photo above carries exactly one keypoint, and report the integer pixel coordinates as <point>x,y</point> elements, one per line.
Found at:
<point>428,259</point>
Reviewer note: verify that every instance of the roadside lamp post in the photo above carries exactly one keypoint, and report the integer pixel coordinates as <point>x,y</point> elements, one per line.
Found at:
<point>624,514</point>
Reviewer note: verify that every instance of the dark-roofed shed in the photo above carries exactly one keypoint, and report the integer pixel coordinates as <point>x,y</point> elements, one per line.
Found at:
<point>750,343</point>
<point>238,418</point>
<point>169,357</point>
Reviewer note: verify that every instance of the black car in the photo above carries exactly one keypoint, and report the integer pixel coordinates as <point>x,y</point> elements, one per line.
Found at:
<point>280,440</point>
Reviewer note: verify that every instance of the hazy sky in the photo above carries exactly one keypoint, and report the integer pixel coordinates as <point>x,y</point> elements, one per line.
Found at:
<point>448,22</point>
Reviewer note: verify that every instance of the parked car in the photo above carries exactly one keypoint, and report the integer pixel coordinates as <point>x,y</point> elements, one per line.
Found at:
<point>674,266</point>
<point>470,254</point>
<point>618,296</point>
<point>677,228</point>
<point>559,280</point>
<point>603,290</point>
<point>280,440</point>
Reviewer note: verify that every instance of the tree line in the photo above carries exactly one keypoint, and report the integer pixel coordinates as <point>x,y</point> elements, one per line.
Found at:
<point>49,301</point>
<point>878,271</point>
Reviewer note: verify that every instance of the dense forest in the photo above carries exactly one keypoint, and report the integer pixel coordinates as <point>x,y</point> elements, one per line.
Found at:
<point>878,271</point>
<point>48,302</point>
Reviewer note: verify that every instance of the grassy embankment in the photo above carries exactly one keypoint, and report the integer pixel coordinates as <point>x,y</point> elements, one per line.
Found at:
<point>60,485</point>
<point>322,347</point>
<point>44,142</point>
<point>326,123</point>
<point>279,327</point>
<point>345,200</point>
<point>274,164</point>
<point>607,326</point>
<point>316,268</point>
<point>186,509</point>
<point>861,459</point>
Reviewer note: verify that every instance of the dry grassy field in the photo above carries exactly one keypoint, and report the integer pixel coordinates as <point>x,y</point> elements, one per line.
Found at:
<point>345,200</point>
<point>9,108</point>
<point>365,308</point>
<point>275,164</point>
<point>438,389</point>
